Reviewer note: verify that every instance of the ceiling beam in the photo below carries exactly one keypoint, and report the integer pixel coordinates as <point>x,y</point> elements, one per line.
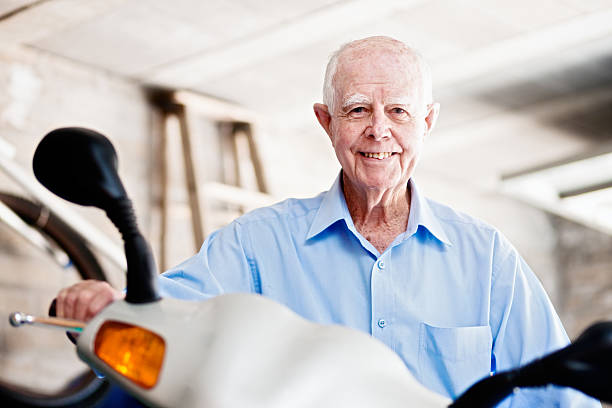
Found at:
<point>522,48</point>
<point>293,35</point>
<point>585,189</point>
<point>14,8</point>
<point>49,17</point>
<point>599,150</point>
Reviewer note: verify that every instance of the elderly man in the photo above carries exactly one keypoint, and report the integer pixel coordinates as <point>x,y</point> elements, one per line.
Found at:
<point>446,292</point>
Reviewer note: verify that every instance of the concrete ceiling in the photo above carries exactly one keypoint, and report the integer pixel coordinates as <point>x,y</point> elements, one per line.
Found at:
<point>522,83</point>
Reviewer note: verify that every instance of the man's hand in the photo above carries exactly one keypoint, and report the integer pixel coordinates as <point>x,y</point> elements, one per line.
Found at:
<point>85,299</point>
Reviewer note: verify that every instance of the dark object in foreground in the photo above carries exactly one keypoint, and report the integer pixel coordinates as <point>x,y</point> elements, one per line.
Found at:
<point>585,365</point>
<point>80,165</point>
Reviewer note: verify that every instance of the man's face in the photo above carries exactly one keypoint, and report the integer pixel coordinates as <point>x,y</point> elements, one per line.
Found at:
<point>380,119</point>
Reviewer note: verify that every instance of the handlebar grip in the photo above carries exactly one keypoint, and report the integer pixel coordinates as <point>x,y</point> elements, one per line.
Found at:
<point>53,313</point>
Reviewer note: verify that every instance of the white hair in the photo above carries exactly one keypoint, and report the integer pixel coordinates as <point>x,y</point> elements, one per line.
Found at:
<point>329,91</point>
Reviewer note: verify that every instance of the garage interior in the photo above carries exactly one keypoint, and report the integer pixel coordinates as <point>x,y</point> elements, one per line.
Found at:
<point>209,105</point>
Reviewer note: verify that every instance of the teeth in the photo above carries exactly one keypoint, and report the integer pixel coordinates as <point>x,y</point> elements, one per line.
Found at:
<point>379,156</point>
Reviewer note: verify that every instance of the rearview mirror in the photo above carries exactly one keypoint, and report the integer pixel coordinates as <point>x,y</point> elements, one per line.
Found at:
<point>80,165</point>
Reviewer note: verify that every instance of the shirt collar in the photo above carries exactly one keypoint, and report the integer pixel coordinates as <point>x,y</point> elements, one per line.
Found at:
<point>333,208</point>
<point>421,214</point>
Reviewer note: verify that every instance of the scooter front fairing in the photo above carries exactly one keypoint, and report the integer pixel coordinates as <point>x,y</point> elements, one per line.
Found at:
<point>239,350</point>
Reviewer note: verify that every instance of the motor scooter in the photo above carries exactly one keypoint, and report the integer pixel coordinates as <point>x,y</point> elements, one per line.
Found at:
<point>243,350</point>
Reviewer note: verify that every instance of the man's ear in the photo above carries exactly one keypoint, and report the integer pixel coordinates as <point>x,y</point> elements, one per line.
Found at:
<point>323,116</point>
<point>432,116</point>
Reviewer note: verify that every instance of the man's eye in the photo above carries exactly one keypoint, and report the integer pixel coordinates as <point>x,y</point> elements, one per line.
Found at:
<point>399,111</point>
<point>358,112</point>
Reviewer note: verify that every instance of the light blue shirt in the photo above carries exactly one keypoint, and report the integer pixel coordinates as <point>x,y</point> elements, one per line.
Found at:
<point>450,295</point>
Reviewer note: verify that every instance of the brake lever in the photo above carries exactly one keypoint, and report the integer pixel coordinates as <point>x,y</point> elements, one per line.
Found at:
<point>18,319</point>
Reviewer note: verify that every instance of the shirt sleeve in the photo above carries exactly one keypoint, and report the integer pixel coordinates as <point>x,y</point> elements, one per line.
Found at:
<point>525,326</point>
<point>221,266</point>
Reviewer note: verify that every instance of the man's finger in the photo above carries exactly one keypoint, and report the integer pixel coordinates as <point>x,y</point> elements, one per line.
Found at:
<point>100,301</point>
<point>82,298</point>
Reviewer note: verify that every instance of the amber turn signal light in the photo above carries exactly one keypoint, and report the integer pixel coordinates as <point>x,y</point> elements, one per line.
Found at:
<point>134,352</point>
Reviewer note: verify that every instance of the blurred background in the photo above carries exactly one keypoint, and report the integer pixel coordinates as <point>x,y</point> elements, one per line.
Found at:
<point>209,105</point>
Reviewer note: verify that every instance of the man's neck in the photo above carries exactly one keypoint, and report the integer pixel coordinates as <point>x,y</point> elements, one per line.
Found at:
<point>379,215</point>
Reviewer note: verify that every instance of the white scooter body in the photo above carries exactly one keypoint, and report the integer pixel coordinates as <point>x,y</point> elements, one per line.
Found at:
<point>243,350</point>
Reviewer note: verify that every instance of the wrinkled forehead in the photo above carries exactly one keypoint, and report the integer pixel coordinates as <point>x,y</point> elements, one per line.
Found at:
<point>401,72</point>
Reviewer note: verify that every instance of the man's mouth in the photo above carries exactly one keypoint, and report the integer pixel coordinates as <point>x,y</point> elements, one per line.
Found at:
<point>378,155</point>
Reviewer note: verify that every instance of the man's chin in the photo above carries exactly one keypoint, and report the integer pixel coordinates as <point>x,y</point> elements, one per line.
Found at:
<point>379,184</point>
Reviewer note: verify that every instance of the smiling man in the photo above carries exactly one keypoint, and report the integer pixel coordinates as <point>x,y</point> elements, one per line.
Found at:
<point>445,291</point>
<point>377,121</point>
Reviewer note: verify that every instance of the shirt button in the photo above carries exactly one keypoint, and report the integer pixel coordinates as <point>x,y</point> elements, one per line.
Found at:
<point>382,323</point>
<point>381,264</point>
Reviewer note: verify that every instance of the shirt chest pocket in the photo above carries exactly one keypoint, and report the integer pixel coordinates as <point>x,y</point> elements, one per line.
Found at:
<point>453,358</point>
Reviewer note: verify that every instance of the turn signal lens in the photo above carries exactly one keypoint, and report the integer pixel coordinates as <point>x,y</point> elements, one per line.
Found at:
<point>133,351</point>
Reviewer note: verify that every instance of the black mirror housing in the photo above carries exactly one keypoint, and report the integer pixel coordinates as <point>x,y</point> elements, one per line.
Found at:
<point>80,165</point>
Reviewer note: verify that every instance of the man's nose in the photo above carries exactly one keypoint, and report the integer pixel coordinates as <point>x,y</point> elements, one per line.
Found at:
<point>379,126</point>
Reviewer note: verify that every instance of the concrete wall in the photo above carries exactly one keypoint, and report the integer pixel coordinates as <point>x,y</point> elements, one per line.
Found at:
<point>583,263</point>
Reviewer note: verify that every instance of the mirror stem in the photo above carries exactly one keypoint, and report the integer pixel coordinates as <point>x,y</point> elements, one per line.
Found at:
<point>142,286</point>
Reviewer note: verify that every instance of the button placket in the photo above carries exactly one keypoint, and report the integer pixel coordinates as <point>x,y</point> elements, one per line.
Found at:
<point>380,305</point>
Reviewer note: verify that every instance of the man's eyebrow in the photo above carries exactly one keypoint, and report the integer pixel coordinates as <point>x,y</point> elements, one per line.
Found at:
<point>354,99</point>
<point>397,100</point>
